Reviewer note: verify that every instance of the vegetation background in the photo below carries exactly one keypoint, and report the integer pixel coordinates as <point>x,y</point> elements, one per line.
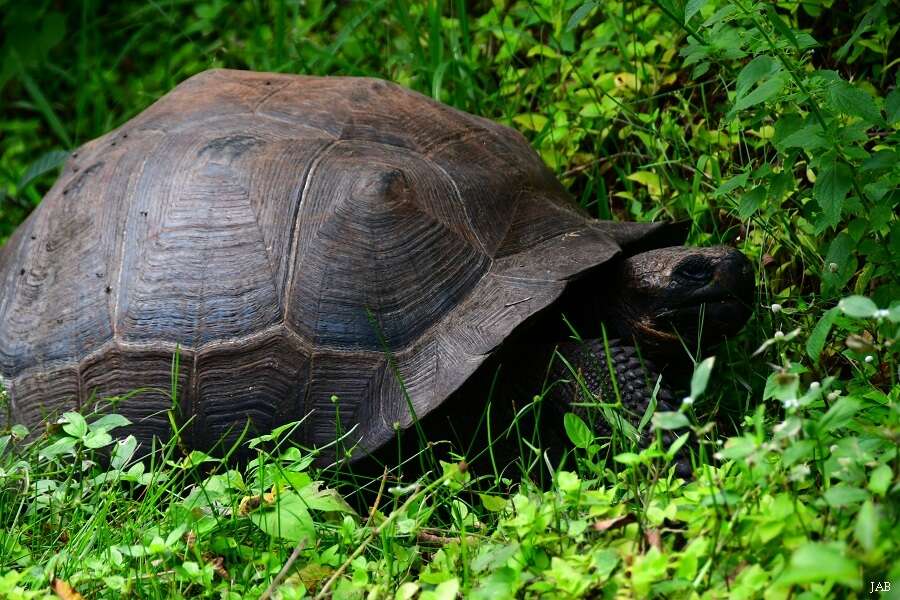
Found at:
<point>769,125</point>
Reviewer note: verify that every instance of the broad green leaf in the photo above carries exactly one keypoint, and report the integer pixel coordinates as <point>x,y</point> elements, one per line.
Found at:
<point>758,68</point>
<point>859,307</point>
<point>627,458</point>
<point>287,518</point>
<point>816,341</point>
<point>814,562</point>
<point>763,92</point>
<point>122,452</point>
<point>97,439</point>
<point>846,98</point>
<point>866,529</point>
<point>750,202</point>
<point>880,479</point>
<point>670,420</point>
<point>651,180</point>
<point>782,386</point>
<point>839,414</point>
<point>579,433</point>
<point>531,121</point>
<point>840,264</point>
<point>109,422</point>
<point>892,106</point>
<point>732,184</point>
<point>61,446</point>
<point>74,424</point>
<point>327,500</point>
<point>844,495</point>
<point>700,378</point>
<point>830,189</point>
<point>808,138</point>
<point>692,7</point>
<point>894,312</point>
<point>493,503</point>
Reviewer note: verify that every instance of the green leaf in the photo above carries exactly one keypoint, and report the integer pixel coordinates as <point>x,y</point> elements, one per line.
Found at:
<point>750,202</point>
<point>840,256</point>
<point>577,430</point>
<point>327,500</point>
<point>670,420</point>
<point>894,312</point>
<point>816,341</point>
<point>287,519</point>
<point>74,424</point>
<point>815,562</point>
<point>760,67</point>
<point>845,495</point>
<point>809,138</point>
<point>871,16</point>
<point>892,106</point>
<point>493,503</point>
<point>880,479</point>
<point>109,422</point>
<point>781,386</point>
<point>122,452</point>
<point>580,13</point>
<point>44,164</point>
<point>97,439</point>
<point>831,188</point>
<point>780,27</point>
<point>839,414</point>
<point>858,307</point>
<point>866,528</point>
<point>701,377</point>
<point>763,92</point>
<point>627,458</point>
<point>692,8</point>
<point>732,184</point>
<point>846,98</point>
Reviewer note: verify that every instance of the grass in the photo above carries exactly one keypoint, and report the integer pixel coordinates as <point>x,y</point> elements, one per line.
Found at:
<point>770,126</point>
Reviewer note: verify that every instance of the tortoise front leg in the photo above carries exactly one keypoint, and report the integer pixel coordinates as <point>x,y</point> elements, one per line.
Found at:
<point>585,380</point>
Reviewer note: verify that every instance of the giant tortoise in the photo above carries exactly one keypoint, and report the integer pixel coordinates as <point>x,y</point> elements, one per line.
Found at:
<point>315,246</point>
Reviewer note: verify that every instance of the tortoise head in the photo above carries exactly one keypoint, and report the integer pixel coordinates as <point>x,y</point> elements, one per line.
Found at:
<point>667,295</point>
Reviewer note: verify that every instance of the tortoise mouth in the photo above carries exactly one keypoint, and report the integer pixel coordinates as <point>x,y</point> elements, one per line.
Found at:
<point>716,317</point>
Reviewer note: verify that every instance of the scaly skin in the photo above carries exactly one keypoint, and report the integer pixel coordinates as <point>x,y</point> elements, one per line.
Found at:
<point>635,378</point>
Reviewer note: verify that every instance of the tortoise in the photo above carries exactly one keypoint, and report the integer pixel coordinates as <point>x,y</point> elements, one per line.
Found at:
<point>328,247</point>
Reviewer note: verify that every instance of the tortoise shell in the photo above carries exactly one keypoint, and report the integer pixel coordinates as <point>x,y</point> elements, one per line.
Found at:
<point>332,247</point>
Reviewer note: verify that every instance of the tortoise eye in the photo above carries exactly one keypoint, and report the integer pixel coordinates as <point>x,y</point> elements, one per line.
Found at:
<point>695,269</point>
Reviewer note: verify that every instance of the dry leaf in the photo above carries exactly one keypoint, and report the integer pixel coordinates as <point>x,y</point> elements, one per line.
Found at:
<point>614,522</point>
<point>64,590</point>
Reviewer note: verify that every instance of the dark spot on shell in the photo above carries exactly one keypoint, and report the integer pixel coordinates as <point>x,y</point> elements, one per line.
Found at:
<point>22,272</point>
<point>59,321</point>
<point>99,275</point>
<point>124,135</point>
<point>74,155</point>
<point>229,147</point>
<point>143,213</point>
<point>74,169</point>
<point>78,181</point>
<point>34,237</point>
<point>359,95</point>
<point>112,144</point>
<point>108,289</point>
<point>268,83</point>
